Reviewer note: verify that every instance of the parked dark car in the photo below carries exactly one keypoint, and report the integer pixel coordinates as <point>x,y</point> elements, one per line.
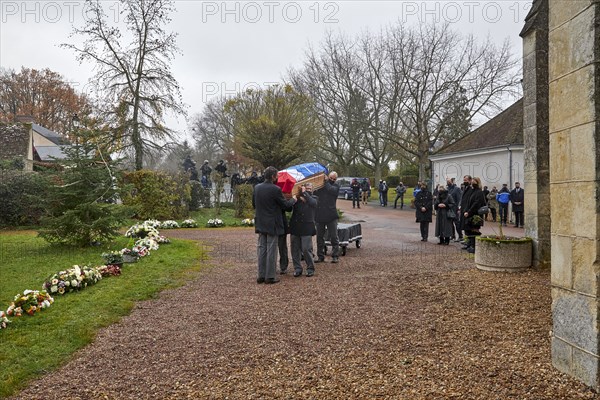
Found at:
<point>345,189</point>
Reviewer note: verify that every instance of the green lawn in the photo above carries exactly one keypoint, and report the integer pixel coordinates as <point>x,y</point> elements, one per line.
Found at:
<point>34,345</point>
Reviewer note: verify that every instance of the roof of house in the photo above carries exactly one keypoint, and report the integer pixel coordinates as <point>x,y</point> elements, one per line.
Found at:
<point>14,140</point>
<point>50,153</point>
<point>504,129</point>
<point>50,135</point>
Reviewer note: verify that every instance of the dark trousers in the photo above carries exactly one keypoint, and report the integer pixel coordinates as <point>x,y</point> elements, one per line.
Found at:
<point>503,212</point>
<point>283,252</point>
<point>424,230</point>
<point>401,197</point>
<point>355,200</point>
<point>333,238</point>
<point>458,221</point>
<point>493,210</point>
<point>519,218</point>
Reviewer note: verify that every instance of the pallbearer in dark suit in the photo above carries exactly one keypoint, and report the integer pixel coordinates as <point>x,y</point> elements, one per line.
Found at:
<point>268,202</point>
<point>302,229</point>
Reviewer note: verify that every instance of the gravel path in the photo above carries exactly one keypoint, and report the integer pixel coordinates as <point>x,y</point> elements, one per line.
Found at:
<point>396,319</point>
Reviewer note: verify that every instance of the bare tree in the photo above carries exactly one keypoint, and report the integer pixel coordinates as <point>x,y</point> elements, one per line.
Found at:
<point>213,130</point>
<point>448,80</point>
<point>328,77</point>
<point>134,80</point>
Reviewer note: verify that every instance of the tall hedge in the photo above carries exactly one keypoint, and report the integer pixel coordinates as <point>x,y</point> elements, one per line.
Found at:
<point>157,194</point>
<point>242,201</point>
<point>22,197</point>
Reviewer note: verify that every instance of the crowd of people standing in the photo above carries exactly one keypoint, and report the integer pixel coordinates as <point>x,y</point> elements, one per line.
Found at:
<point>459,211</point>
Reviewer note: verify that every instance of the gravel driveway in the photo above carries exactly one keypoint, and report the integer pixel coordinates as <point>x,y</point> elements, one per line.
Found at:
<point>395,319</point>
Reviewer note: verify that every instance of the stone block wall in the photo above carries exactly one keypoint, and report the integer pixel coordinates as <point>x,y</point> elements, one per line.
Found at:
<point>574,131</point>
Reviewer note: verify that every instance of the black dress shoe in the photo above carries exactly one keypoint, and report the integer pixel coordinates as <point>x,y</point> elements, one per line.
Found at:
<point>310,273</point>
<point>319,260</point>
<point>272,280</point>
<point>335,260</point>
<point>297,274</point>
<point>260,280</point>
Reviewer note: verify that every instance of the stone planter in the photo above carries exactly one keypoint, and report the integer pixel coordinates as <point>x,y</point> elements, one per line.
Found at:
<point>503,255</point>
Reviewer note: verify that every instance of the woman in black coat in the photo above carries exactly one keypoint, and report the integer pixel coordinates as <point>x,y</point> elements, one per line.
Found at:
<point>444,226</point>
<point>474,221</point>
<point>424,210</point>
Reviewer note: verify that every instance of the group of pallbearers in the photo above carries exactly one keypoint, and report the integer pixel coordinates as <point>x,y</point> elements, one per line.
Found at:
<point>463,209</point>
<point>313,213</point>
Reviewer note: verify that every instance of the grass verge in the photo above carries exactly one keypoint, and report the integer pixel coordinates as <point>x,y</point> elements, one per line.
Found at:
<point>34,345</point>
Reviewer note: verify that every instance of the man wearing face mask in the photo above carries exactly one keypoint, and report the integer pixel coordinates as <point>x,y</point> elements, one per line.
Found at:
<point>517,196</point>
<point>268,201</point>
<point>302,229</point>
<point>326,218</point>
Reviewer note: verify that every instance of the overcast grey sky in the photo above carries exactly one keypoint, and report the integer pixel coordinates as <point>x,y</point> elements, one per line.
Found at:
<point>228,46</point>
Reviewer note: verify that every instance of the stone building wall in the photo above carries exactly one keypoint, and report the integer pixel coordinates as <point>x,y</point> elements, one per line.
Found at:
<point>574,129</point>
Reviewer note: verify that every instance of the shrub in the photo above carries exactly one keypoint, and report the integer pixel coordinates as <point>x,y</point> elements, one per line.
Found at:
<point>242,201</point>
<point>78,209</point>
<point>200,197</point>
<point>393,181</point>
<point>21,199</point>
<point>156,194</point>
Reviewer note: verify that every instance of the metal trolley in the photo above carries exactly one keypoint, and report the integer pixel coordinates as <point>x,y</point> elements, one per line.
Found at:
<point>347,233</point>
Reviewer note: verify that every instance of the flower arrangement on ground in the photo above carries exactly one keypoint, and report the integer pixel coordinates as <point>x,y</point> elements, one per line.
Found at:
<point>215,223</point>
<point>75,278</point>
<point>113,257</point>
<point>109,270</point>
<point>162,239</point>
<point>189,223</point>
<point>30,302</point>
<point>170,224</point>
<point>248,222</point>
<point>153,223</point>
<point>141,231</point>
<point>148,243</point>
<point>3,320</point>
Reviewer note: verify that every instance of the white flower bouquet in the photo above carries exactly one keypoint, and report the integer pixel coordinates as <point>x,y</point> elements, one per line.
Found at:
<point>169,224</point>
<point>148,243</point>
<point>153,223</point>
<point>189,223</point>
<point>75,278</point>
<point>215,223</point>
<point>141,231</point>
<point>248,222</point>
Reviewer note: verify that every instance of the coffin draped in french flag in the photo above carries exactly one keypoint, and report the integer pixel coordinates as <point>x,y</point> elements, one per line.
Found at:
<point>292,178</point>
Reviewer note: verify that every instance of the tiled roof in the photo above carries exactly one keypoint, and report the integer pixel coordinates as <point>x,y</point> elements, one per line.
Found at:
<point>50,153</point>
<point>504,129</point>
<point>50,135</point>
<point>14,140</point>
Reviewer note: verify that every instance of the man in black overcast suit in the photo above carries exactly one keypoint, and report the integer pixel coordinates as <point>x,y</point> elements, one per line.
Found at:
<point>268,202</point>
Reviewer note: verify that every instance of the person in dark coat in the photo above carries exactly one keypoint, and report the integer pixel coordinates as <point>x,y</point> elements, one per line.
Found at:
<point>517,197</point>
<point>464,201</point>
<point>424,210</point>
<point>302,229</point>
<point>400,191</point>
<point>355,186</point>
<point>444,226</point>
<point>473,221</point>
<point>268,202</point>
<point>503,198</point>
<point>365,186</point>
<point>456,194</point>
<point>284,260</point>
<point>326,218</point>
